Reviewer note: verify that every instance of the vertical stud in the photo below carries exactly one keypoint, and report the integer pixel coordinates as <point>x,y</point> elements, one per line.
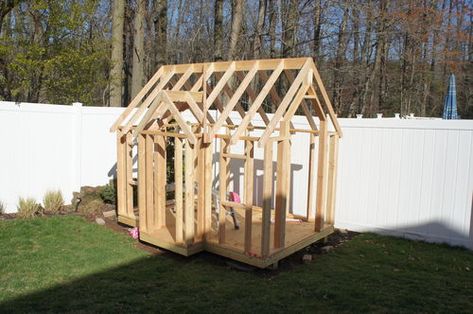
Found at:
<point>321,177</point>
<point>267,197</point>
<point>178,191</point>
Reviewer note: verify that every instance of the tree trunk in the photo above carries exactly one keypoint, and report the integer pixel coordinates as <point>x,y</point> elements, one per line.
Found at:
<point>273,20</point>
<point>339,60</point>
<point>290,13</point>
<point>317,29</point>
<point>356,61</point>
<point>160,32</point>
<point>218,30</point>
<point>258,37</point>
<point>237,17</point>
<point>382,56</point>
<point>138,49</point>
<point>116,71</point>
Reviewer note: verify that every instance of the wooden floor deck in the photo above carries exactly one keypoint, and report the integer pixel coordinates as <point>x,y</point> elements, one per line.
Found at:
<point>299,234</point>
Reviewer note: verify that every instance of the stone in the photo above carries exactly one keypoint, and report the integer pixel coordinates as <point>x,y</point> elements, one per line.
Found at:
<point>343,231</point>
<point>100,221</point>
<point>91,207</point>
<point>110,213</point>
<point>326,248</point>
<point>307,258</point>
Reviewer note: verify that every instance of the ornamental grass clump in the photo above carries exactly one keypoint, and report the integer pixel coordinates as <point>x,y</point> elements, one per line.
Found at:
<point>53,201</point>
<point>27,207</point>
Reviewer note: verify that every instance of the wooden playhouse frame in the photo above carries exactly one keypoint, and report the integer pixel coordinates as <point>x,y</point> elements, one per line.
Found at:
<point>185,211</point>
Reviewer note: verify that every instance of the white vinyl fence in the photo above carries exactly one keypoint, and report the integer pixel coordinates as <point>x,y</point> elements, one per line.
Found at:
<point>411,177</point>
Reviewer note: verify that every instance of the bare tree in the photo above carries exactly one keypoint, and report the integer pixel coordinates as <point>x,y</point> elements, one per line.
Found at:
<point>339,60</point>
<point>116,70</point>
<point>317,28</point>
<point>273,20</point>
<point>160,32</point>
<point>237,17</point>
<point>138,48</point>
<point>218,30</point>
<point>258,37</point>
<point>290,16</point>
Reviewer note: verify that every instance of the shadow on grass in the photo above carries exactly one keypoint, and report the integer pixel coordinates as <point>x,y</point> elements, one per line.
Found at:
<point>369,274</point>
<point>164,282</point>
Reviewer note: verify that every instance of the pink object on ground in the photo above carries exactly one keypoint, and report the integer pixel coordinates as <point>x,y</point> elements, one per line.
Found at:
<point>234,197</point>
<point>134,232</point>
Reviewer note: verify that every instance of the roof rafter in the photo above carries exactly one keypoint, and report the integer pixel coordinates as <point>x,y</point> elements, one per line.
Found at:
<point>148,101</point>
<point>285,103</point>
<point>258,101</point>
<point>236,97</point>
<point>137,99</point>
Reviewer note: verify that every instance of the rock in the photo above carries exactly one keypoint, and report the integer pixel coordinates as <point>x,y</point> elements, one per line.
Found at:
<point>326,248</point>
<point>91,207</point>
<point>343,231</point>
<point>100,221</point>
<point>88,200</point>
<point>110,213</point>
<point>307,258</point>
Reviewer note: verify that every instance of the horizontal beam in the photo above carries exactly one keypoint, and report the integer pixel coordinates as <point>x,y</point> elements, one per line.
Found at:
<point>181,96</point>
<point>244,65</point>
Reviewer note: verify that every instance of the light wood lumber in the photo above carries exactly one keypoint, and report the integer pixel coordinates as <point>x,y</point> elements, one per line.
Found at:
<point>223,181</point>
<point>161,173</point>
<point>285,103</point>
<point>235,98</point>
<point>151,97</point>
<point>332,179</point>
<point>282,187</point>
<point>321,200</point>
<point>311,175</point>
<point>178,190</point>
<point>137,99</point>
<point>151,215</point>
<point>258,101</point>
<point>249,179</point>
<point>189,194</point>
<point>142,183</point>
<point>267,198</point>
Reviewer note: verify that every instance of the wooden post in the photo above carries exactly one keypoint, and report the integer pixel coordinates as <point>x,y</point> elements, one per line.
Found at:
<point>267,196</point>
<point>178,191</point>
<point>249,179</point>
<point>223,179</point>
<point>129,175</point>
<point>332,178</point>
<point>311,176</point>
<point>208,187</point>
<point>150,208</point>
<point>121,174</point>
<point>321,177</point>
<point>160,181</point>
<point>200,176</point>
<point>142,182</point>
<point>189,194</point>
<point>282,189</point>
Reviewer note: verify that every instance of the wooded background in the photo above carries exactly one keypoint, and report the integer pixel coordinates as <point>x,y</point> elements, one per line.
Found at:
<point>374,56</point>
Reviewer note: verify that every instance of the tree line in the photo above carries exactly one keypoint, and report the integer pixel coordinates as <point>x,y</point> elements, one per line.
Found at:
<point>389,56</point>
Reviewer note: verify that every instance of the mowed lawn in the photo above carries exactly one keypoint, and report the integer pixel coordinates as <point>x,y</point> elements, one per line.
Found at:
<point>62,264</point>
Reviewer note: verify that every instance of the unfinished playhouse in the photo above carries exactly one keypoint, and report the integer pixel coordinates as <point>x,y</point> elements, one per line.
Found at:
<point>182,137</point>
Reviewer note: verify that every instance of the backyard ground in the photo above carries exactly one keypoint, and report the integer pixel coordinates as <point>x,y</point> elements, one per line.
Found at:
<point>67,263</point>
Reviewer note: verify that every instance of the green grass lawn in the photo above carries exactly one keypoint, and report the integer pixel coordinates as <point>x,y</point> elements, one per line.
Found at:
<point>68,264</point>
